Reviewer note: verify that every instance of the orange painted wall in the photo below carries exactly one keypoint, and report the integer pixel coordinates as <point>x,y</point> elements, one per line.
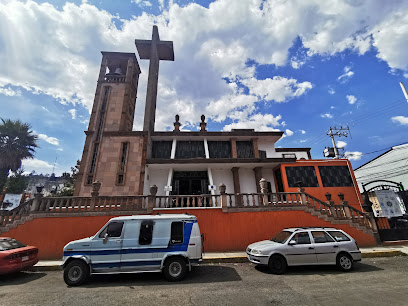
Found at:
<point>351,194</point>
<point>223,231</point>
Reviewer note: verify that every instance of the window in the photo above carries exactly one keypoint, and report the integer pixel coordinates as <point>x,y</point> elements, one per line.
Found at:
<point>190,149</point>
<point>177,229</point>
<point>335,176</point>
<point>302,238</point>
<point>10,244</point>
<point>321,237</point>
<point>219,149</point>
<point>339,236</point>
<point>161,149</point>
<point>122,164</point>
<point>281,237</point>
<point>306,175</point>
<point>245,149</point>
<point>114,229</point>
<point>146,232</point>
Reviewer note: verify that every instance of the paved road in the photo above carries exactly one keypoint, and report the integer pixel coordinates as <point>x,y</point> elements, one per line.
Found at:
<point>379,281</point>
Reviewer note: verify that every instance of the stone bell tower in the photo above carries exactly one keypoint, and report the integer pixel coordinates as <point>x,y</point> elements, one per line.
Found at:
<point>113,109</point>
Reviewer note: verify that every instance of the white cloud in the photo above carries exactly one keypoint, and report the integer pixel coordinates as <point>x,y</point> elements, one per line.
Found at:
<point>288,132</point>
<point>278,89</point>
<point>51,140</point>
<point>73,113</point>
<point>351,99</point>
<point>9,92</point>
<point>341,144</point>
<point>302,140</point>
<point>331,91</point>
<point>142,3</point>
<point>326,115</point>
<point>37,165</point>
<point>332,107</point>
<point>353,155</point>
<point>346,75</point>
<point>400,119</point>
<point>296,64</point>
<point>258,122</point>
<point>303,131</point>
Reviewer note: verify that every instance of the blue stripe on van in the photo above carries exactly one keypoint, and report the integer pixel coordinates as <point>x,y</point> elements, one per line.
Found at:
<point>188,226</point>
<point>127,263</point>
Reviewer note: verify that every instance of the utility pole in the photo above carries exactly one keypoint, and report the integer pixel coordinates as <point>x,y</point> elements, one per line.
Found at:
<point>339,132</point>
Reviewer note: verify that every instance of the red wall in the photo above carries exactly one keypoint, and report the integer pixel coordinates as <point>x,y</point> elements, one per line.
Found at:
<point>223,231</point>
<point>351,194</point>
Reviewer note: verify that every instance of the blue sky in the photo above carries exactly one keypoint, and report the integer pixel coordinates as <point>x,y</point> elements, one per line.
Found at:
<point>298,66</point>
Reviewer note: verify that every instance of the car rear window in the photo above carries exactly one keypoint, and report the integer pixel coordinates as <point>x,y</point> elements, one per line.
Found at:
<point>339,236</point>
<point>10,244</point>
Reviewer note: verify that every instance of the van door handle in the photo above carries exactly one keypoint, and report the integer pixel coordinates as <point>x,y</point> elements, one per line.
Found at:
<point>118,241</point>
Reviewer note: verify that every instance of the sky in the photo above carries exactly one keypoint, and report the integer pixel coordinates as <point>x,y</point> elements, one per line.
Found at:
<point>298,66</point>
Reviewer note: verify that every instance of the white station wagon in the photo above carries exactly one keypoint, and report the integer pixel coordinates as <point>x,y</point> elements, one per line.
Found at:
<point>147,243</point>
<point>305,246</point>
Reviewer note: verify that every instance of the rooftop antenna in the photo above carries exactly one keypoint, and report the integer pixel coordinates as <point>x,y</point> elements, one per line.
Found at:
<point>53,167</point>
<point>404,91</point>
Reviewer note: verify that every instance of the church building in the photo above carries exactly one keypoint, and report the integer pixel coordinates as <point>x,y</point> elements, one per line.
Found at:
<point>128,162</point>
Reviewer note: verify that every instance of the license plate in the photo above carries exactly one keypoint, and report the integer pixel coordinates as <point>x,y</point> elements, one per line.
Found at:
<point>25,258</point>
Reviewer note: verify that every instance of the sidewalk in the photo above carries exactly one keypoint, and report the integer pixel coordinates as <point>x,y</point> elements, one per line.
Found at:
<point>233,257</point>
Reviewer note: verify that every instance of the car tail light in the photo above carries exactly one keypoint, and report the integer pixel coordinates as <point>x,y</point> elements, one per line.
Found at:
<point>11,256</point>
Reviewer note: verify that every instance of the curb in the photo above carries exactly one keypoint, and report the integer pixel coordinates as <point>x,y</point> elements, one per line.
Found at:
<point>238,259</point>
<point>377,254</point>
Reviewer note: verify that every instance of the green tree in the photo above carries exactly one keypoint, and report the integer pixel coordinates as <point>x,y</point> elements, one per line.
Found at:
<point>17,182</point>
<point>17,142</point>
<point>68,189</point>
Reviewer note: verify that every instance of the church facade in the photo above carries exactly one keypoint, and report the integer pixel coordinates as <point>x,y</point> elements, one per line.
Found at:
<point>128,162</point>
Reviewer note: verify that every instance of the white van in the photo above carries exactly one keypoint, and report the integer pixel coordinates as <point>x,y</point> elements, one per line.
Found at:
<point>145,243</point>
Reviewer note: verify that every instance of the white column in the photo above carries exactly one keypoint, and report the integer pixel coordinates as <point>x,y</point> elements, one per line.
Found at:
<point>169,179</point>
<point>211,181</point>
<point>207,152</point>
<point>173,149</point>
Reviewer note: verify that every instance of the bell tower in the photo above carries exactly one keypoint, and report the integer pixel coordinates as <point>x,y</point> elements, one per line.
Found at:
<point>113,108</point>
<point>115,97</point>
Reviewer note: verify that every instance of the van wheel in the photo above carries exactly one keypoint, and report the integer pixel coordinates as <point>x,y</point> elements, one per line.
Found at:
<point>76,272</point>
<point>277,264</point>
<point>174,269</point>
<point>344,262</point>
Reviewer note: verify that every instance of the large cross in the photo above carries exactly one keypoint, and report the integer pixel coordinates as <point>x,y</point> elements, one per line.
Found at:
<point>155,50</point>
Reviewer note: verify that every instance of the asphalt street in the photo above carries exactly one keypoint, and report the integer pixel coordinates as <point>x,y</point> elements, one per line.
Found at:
<point>375,281</point>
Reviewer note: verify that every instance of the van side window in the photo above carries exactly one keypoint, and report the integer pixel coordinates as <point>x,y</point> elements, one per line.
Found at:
<point>114,229</point>
<point>146,232</point>
<point>177,229</point>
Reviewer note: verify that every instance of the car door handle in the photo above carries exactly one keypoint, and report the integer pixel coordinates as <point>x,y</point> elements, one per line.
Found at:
<point>118,241</point>
<point>310,248</point>
<point>335,246</point>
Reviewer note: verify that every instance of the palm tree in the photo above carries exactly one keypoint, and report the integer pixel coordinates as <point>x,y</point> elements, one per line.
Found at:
<point>17,142</point>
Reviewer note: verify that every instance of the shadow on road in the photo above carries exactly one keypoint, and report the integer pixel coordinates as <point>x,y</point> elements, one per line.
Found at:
<point>20,278</point>
<point>310,270</point>
<point>202,274</point>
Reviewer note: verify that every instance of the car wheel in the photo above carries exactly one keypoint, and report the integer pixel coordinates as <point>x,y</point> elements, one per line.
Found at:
<point>76,272</point>
<point>277,264</point>
<point>175,269</point>
<point>344,262</point>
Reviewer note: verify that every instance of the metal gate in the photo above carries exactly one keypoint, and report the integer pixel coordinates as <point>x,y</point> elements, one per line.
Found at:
<point>398,226</point>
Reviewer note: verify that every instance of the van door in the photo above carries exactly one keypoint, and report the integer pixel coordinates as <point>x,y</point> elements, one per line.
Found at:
<point>137,252</point>
<point>106,248</point>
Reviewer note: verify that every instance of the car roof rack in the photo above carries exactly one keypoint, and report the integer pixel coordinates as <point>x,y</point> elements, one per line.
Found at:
<point>308,227</point>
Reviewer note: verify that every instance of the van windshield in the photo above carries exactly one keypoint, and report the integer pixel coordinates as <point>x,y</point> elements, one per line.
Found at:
<point>281,237</point>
